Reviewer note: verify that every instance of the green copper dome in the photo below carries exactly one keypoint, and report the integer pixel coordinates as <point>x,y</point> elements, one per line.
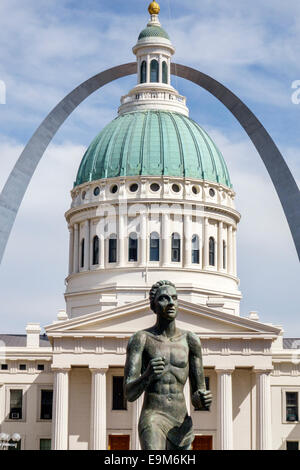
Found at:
<point>153,143</point>
<point>153,31</point>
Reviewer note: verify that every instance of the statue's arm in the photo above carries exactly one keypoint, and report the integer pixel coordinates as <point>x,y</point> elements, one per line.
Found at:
<point>201,398</point>
<point>135,383</point>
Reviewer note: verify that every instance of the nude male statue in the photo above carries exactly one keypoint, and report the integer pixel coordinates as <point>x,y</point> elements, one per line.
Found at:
<point>159,361</point>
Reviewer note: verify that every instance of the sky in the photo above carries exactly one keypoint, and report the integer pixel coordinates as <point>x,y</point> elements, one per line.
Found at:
<point>48,47</point>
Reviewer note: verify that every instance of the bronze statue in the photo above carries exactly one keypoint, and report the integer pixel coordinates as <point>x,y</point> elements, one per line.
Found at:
<point>159,361</point>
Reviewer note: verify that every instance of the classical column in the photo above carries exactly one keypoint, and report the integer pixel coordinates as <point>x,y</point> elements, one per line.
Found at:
<point>166,254</point>
<point>102,251</point>
<point>71,250</point>
<point>87,250</point>
<point>225,420</point>
<point>139,70</point>
<point>160,68</point>
<point>205,244</point>
<point>121,238</point>
<point>220,246</point>
<point>143,255</point>
<point>229,249</point>
<point>234,268</point>
<point>60,416</point>
<point>263,409</point>
<point>2,403</point>
<point>136,412</point>
<point>148,68</point>
<point>187,237</point>
<point>76,248</point>
<point>98,409</point>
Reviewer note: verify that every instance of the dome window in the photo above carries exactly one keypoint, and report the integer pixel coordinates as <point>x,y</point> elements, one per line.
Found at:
<point>82,254</point>
<point>114,189</point>
<point>97,191</point>
<point>212,192</point>
<point>154,75</point>
<point>154,187</point>
<point>95,250</point>
<point>112,249</point>
<point>154,246</point>
<point>176,188</point>
<point>176,248</point>
<point>195,249</point>
<point>144,72</point>
<point>224,254</point>
<point>196,189</point>
<point>133,247</point>
<point>165,72</point>
<point>134,187</point>
<point>212,251</point>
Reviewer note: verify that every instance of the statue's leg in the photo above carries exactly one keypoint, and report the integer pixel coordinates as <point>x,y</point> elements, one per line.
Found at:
<point>153,439</point>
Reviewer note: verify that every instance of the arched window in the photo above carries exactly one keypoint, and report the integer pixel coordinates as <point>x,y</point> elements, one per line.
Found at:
<point>212,251</point>
<point>224,254</point>
<point>133,247</point>
<point>95,250</point>
<point>82,253</point>
<point>154,246</point>
<point>195,249</point>
<point>144,72</point>
<point>112,249</point>
<point>165,72</point>
<point>154,71</point>
<point>176,245</point>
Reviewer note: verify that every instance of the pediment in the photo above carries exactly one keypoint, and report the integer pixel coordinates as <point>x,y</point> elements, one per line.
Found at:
<point>128,319</point>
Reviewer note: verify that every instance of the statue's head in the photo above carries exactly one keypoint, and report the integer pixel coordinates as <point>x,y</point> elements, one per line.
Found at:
<point>163,299</point>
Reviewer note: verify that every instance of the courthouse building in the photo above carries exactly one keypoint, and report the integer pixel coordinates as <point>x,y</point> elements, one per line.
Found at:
<point>152,200</point>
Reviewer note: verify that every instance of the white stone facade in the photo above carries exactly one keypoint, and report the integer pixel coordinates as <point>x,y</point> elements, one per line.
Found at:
<point>249,374</point>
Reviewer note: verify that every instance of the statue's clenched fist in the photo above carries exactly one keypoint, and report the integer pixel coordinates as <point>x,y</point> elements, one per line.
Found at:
<point>156,367</point>
<point>202,399</point>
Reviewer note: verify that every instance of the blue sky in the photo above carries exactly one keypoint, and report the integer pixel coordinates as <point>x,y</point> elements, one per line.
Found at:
<point>49,47</point>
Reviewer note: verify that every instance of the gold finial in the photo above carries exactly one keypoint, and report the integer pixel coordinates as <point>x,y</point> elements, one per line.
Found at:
<point>154,8</point>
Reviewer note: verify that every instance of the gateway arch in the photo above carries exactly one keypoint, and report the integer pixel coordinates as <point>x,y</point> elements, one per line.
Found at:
<point>19,179</point>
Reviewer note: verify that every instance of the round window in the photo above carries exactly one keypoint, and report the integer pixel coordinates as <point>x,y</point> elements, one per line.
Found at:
<point>155,187</point>
<point>176,188</point>
<point>114,189</point>
<point>212,192</point>
<point>134,187</point>
<point>195,189</point>
<point>97,191</point>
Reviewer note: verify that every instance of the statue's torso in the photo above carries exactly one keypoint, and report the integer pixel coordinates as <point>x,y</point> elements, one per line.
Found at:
<point>166,393</point>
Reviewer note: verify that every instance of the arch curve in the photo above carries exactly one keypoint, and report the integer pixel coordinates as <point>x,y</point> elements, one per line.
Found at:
<point>19,179</point>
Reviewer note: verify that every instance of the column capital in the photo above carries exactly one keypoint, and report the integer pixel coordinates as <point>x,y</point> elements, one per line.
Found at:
<point>262,370</point>
<point>101,370</point>
<point>60,369</point>
<point>224,370</point>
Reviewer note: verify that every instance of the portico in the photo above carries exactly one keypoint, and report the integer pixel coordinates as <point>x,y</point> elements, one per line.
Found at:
<point>236,352</point>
